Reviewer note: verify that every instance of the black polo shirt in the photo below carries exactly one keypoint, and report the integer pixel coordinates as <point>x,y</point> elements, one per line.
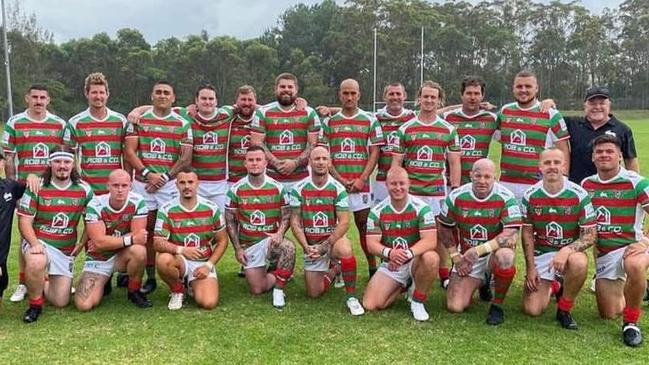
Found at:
<point>582,135</point>
<point>10,192</point>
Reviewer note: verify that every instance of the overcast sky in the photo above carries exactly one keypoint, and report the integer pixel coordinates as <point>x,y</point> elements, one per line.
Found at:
<point>159,19</point>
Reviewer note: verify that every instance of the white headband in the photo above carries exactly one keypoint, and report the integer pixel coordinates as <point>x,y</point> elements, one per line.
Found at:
<point>61,155</point>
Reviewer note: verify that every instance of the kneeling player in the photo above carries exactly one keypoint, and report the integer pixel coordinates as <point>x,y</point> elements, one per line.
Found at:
<point>620,199</point>
<point>559,225</point>
<point>402,230</point>
<point>190,239</point>
<point>258,215</point>
<point>319,221</point>
<point>116,228</point>
<point>487,217</point>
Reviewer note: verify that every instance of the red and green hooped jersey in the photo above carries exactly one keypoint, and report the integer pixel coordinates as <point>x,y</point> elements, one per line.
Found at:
<point>424,146</point>
<point>259,209</point>
<point>480,220</point>
<point>117,222</point>
<point>349,140</point>
<point>31,141</point>
<point>524,134</point>
<point>238,146</point>
<point>56,213</point>
<point>190,227</point>
<point>389,125</point>
<point>160,140</point>
<point>475,133</point>
<point>557,219</point>
<point>286,134</point>
<point>319,206</point>
<point>98,144</point>
<point>210,143</point>
<point>400,229</point>
<point>619,208</point>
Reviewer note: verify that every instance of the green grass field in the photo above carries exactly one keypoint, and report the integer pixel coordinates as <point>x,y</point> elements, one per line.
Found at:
<point>246,329</point>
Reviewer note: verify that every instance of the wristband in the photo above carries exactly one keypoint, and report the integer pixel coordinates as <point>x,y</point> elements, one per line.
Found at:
<point>179,250</point>
<point>127,241</point>
<point>386,252</point>
<point>484,248</point>
<point>166,177</point>
<point>209,265</point>
<point>453,254</point>
<point>144,172</point>
<point>410,254</point>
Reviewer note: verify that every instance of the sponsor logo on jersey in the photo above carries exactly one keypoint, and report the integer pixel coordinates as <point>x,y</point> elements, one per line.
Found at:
<point>60,220</point>
<point>393,138</point>
<point>400,242</point>
<point>603,215</point>
<point>348,145</point>
<point>518,137</point>
<point>192,240</point>
<point>467,143</point>
<point>102,149</point>
<point>258,218</point>
<point>554,231</point>
<point>478,232</point>
<point>320,220</point>
<point>40,150</point>
<point>210,138</point>
<point>158,146</point>
<point>245,142</point>
<point>425,153</point>
<point>286,137</point>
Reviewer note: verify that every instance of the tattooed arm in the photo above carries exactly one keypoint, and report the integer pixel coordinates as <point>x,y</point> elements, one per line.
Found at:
<point>303,158</point>
<point>298,228</point>
<point>587,238</point>
<point>184,160</point>
<point>259,139</point>
<point>532,278</point>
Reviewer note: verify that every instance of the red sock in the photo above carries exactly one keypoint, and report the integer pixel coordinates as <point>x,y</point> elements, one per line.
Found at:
<point>502,279</point>
<point>282,277</point>
<point>38,302</point>
<point>565,304</point>
<point>21,277</point>
<point>443,273</point>
<point>177,287</point>
<point>631,315</point>
<point>134,285</point>
<point>348,265</point>
<point>418,296</point>
<point>555,287</point>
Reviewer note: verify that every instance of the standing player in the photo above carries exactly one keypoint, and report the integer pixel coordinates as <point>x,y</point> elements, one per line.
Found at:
<point>559,226</point>
<point>190,239</point>
<point>157,148</point>
<point>97,135</point>
<point>48,225</point>
<point>390,117</point>
<point>240,130</point>
<point>525,131</point>
<point>258,215</point>
<point>401,229</point>
<point>287,134</point>
<point>423,146</point>
<point>27,141</point>
<point>620,199</point>
<point>354,137</point>
<point>475,127</point>
<point>319,221</point>
<point>487,218</point>
<point>116,229</point>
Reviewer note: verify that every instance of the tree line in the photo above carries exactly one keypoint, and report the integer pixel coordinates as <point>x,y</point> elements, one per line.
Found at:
<point>566,45</point>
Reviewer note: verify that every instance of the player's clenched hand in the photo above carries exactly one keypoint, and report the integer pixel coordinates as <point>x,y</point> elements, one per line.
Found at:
<point>192,253</point>
<point>201,272</point>
<point>560,259</point>
<point>532,279</point>
<point>323,111</point>
<point>634,249</point>
<point>37,249</point>
<point>312,252</point>
<point>357,185</point>
<point>134,117</point>
<point>240,255</point>
<point>399,256</point>
<point>300,104</point>
<point>139,237</point>
<point>286,167</point>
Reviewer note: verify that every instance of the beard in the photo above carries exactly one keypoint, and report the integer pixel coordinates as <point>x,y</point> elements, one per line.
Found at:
<point>286,100</point>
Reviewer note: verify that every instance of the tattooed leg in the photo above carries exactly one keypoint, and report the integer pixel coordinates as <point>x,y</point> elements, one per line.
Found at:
<point>89,291</point>
<point>284,255</point>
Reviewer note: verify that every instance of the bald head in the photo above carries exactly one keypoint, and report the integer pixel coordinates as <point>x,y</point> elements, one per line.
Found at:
<point>483,177</point>
<point>118,174</point>
<point>119,185</point>
<point>484,165</point>
<point>350,83</point>
<point>397,172</point>
<point>320,162</point>
<point>319,150</point>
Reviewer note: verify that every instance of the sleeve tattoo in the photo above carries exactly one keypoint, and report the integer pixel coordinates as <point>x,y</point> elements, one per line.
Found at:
<point>232,224</point>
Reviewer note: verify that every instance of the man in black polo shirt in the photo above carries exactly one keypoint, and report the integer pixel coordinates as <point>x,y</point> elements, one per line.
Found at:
<point>597,121</point>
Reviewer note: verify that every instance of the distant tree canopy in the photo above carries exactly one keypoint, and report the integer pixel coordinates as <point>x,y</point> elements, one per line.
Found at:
<point>567,46</point>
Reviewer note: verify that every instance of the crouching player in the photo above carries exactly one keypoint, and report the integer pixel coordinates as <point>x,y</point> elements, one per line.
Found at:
<point>559,226</point>
<point>190,239</point>
<point>487,218</point>
<point>116,229</point>
<point>401,229</point>
<point>319,220</point>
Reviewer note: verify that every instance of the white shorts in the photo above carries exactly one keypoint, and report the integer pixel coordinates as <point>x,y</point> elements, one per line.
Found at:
<point>359,201</point>
<point>289,185</point>
<point>214,191</point>
<point>105,268</point>
<point>256,254</point>
<point>611,265</point>
<point>379,192</point>
<point>320,264</point>
<point>516,188</point>
<point>160,197</point>
<point>57,262</point>
<point>434,202</point>
<point>401,275</point>
<point>480,269</point>
<point>543,268</point>
<point>191,265</point>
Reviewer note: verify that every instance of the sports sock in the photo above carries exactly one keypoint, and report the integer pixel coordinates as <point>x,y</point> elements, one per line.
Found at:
<point>21,277</point>
<point>631,315</point>
<point>419,297</point>
<point>37,302</point>
<point>134,285</point>
<point>502,280</point>
<point>371,259</point>
<point>282,277</point>
<point>565,304</point>
<point>443,273</point>
<point>348,265</point>
<point>177,287</point>
<point>330,276</point>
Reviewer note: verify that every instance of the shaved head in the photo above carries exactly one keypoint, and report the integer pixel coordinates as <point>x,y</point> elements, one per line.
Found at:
<point>551,152</point>
<point>484,164</point>
<point>396,172</point>
<point>117,174</point>
<point>351,83</point>
<point>320,149</point>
